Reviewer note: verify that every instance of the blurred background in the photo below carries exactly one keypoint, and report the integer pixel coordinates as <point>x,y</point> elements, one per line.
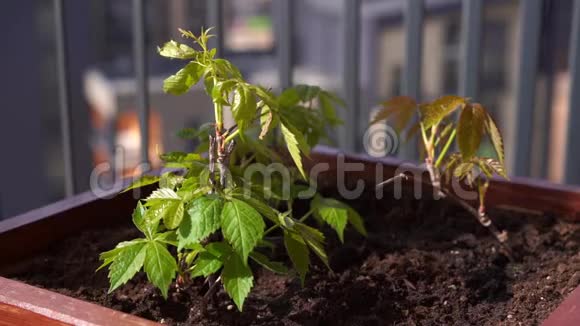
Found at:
<point>512,56</point>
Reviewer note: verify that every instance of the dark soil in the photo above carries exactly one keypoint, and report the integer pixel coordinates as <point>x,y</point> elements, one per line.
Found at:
<point>424,263</point>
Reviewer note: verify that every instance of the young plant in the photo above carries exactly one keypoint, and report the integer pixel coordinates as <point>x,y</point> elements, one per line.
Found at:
<point>213,215</point>
<point>440,130</point>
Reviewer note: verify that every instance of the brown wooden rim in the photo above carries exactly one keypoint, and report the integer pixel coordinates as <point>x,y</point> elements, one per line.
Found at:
<point>518,193</point>
<point>62,308</point>
<point>55,221</point>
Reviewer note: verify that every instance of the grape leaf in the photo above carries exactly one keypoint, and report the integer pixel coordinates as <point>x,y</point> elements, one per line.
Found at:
<point>128,261</point>
<point>203,219</point>
<point>176,50</point>
<point>182,81</point>
<point>272,266</point>
<point>206,264</point>
<point>242,226</point>
<point>144,180</point>
<point>173,215</point>
<point>470,129</point>
<point>244,107</point>
<point>295,143</point>
<point>314,239</point>
<point>298,253</point>
<point>495,137</point>
<point>237,278</point>
<point>400,109</point>
<point>159,266</point>
<point>332,212</point>
<point>432,113</point>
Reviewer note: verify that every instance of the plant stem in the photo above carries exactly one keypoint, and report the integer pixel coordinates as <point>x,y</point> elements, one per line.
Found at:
<point>424,135</point>
<point>393,179</point>
<point>302,219</point>
<point>219,119</point>
<point>445,148</point>
<point>232,136</point>
<point>481,217</point>
<point>307,215</point>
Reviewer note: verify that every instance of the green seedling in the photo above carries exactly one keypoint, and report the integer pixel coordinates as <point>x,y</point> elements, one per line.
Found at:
<point>446,123</point>
<point>214,219</point>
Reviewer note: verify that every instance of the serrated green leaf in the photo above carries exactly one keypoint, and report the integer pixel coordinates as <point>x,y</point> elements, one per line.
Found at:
<point>162,194</point>
<point>226,68</point>
<point>144,180</point>
<point>176,50</point>
<point>206,264</point>
<point>237,278</point>
<point>244,107</point>
<point>296,144</point>
<point>174,215</point>
<point>314,239</point>
<point>356,221</point>
<point>298,253</point>
<point>307,92</point>
<point>169,237</point>
<point>109,256</point>
<point>242,226</point>
<point>491,165</point>
<point>170,180</point>
<point>140,222</point>
<point>333,212</point>
<point>221,90</point>
<point>309,124</point>
<point>328,111</point>
<point>289,97</point>
<point>259,205</point>
<point>434,112</point>
<point>335,98</point>
<point>219,249</point>
<point>164,204</point>
<point>267,121</point>
<point>182,81</point>
<point>155,213</point>
<point>400,109</point>
<point>272,266</point>
<point>496,138</point>
<point>463,169</point>
<point>203,219</point>
<point>180,159</point>
<point>265,95</point>
<point>159,266</point>
<point>470,129</point>
<point>126,264</point>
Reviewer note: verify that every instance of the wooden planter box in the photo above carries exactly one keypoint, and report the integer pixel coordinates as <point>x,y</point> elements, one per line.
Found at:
<point>25,304</point>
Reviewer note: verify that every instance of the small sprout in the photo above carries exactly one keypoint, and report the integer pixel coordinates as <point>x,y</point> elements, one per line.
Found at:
<point>209,218</point>
<point>439,131</point>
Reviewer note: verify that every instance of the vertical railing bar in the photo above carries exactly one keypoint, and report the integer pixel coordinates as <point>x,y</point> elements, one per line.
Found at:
<point>64,96</point>
<point>351,77</point>
<point>215,19</point>
<point>411,83</point>
<point>284,44</point>
<point>521,144</point>
<point>471,19</point>
<point>142,85</point>
<point>572,160</point>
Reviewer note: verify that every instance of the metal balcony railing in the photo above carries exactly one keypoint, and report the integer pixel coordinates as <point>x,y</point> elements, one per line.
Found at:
<point>530,20</point>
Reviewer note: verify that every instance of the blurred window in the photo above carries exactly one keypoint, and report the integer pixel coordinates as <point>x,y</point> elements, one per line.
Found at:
<point>248,26</point>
